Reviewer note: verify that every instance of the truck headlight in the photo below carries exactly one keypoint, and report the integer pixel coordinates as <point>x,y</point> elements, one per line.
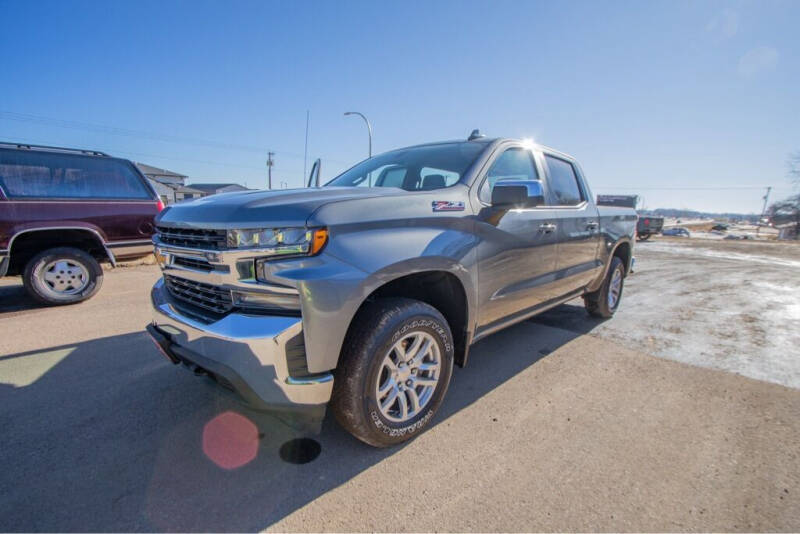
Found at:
<point>279,241</point>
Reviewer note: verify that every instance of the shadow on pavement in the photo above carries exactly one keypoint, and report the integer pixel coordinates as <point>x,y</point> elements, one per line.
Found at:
<point>107,435</point>
<point>14,298</point>
<point>572,317</point>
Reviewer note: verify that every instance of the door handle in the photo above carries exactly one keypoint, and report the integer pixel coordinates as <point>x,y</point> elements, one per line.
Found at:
<point>547,228</point>
<point>593,226</point>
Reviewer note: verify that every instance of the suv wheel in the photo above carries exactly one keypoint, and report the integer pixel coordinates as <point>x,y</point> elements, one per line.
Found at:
<point>394,371</point>
<point>62,275</point>
<point>605,301</point>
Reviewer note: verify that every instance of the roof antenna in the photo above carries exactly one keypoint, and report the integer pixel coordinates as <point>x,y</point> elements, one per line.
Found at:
<point>476,134</point>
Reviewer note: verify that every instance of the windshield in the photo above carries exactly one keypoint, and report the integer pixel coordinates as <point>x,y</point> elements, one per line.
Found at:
<point>423,168</point>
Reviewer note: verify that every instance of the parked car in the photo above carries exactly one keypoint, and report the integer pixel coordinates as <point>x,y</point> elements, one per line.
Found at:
<point>365,292</point>
<point>63,211</point>
<point>720,227</point>
<point>676,232</point>
<point>648,226</point>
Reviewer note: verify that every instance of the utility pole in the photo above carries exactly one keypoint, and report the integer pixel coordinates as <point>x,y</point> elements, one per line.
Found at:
<point>270,163</point>
<point>766,199</point>
<point>763,210</point>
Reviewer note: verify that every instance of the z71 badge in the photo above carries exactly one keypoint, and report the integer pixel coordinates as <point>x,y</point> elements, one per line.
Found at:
<point>447,205</point>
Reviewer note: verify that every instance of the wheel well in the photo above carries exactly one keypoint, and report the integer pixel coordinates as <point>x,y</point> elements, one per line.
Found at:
<point>28,244</point>
<point>440,289</point>
<point>623,252</point>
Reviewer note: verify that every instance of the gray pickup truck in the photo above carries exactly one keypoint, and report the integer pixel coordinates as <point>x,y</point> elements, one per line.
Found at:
<point>364,293</point>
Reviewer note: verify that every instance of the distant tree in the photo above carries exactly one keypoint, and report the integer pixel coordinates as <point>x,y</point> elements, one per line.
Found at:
<point>787,211</point>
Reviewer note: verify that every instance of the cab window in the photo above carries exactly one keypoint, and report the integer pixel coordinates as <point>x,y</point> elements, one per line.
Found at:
<point>513,164</point>
<point>563,182</point>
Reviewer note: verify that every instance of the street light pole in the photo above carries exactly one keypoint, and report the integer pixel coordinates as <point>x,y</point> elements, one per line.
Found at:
<point>369,127</point>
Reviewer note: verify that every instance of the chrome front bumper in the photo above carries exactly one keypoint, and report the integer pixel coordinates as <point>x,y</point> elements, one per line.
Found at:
<point>248,351</point>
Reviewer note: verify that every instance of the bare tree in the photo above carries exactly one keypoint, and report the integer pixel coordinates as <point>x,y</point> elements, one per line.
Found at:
<point>787,211</point>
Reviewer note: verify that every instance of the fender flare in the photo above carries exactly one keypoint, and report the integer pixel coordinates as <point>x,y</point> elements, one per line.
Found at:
<point>94,232</point>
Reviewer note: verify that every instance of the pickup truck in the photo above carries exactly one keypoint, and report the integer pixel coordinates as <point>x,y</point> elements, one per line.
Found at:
<point>648,226</point>
<point>364,293</point>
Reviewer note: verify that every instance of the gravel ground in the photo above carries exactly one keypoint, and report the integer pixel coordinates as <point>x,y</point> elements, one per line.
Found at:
<point>559,423</point>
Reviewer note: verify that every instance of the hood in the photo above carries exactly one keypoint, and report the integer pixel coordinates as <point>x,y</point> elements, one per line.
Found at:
<point>264,209</point>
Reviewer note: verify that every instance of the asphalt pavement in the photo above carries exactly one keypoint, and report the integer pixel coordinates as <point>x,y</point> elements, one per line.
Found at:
<point>560,423</point>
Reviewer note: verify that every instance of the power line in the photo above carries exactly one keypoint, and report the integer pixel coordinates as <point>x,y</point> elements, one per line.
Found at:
<point>129,153</point>
<point>141,134</point>
<point>114,130</point>
<point>687,188</point>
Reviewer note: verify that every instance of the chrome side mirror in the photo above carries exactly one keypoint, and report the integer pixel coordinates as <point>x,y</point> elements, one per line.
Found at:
<point>517,194</point>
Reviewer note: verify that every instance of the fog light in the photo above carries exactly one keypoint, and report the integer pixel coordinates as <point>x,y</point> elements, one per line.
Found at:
<point>285,302</point>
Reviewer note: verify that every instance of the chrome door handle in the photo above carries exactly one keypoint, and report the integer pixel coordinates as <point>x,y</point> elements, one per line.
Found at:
<point>593,226</point>
<point>547,228</point>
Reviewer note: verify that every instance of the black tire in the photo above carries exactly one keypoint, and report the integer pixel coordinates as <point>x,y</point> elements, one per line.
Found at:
<point>87,276</point>
<point>643,237</point>
<point>597,302</point>
<point>375,330</point>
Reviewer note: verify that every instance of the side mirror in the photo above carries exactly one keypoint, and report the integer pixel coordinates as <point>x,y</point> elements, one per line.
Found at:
<point>517,194</point>
<point>313,176</point>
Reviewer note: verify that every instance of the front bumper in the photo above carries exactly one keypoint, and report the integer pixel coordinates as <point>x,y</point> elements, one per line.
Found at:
<point>247,352</point>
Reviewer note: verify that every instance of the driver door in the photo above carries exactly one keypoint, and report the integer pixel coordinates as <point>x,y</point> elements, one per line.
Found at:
<point>517,252</point>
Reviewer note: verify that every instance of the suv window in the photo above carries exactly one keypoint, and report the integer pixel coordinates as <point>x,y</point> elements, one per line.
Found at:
<point>25,174</point>
<point>563,182</point>
<point>513,164</point>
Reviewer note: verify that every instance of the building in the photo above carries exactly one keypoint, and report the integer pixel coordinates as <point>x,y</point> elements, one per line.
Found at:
<point>213,189</point>
<point>171,186</point>
<point>168,184</point>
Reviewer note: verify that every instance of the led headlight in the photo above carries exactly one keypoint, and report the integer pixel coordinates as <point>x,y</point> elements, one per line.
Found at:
<point>279,241</point>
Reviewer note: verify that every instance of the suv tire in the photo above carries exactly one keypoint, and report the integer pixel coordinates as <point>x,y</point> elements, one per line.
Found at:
<point>62,275</point>
<point>605,301</point>
<point>394,371</point>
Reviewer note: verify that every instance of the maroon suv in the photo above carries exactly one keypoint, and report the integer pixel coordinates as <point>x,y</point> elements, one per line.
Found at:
<point>63,211</point>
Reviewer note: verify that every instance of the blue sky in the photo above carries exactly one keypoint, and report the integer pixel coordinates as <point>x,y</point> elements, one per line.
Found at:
<point>647,95</point>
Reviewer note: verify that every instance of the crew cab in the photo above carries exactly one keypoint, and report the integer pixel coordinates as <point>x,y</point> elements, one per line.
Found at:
<point>364,293</point>
<point>64,211</point>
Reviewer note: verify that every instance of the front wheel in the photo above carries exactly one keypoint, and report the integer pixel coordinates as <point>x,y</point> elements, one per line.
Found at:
<point>394,371</point>
<point>605,301</point>
<point>62,275</point>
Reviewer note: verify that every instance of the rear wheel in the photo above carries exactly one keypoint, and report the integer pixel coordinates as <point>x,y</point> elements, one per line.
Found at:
<point>643,237</point>
<point>605,301</point>
<point>62,275</point>
<point>394,371</point>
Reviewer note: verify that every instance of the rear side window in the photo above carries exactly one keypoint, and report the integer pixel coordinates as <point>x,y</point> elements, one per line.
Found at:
<point>563,182</point>
<point>25,174</point>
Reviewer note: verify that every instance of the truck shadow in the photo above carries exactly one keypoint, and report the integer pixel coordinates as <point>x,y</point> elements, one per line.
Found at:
<point>106,435</point>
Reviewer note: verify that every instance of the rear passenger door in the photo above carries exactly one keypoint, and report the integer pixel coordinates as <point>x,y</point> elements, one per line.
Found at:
<point>577,221</point>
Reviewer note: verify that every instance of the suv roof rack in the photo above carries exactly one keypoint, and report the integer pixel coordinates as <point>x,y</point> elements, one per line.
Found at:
<point>26,146</point>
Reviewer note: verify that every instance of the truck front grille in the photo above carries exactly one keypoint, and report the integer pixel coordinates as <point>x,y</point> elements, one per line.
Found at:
<point>205,296</point>
<point>192,263</point>
<point>193,237</point>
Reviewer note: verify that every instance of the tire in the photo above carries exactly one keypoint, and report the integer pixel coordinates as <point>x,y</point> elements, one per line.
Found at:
<point>364,401</point>
<point>598,303</point>
<point>643,237</point>
<point>62,275</point>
